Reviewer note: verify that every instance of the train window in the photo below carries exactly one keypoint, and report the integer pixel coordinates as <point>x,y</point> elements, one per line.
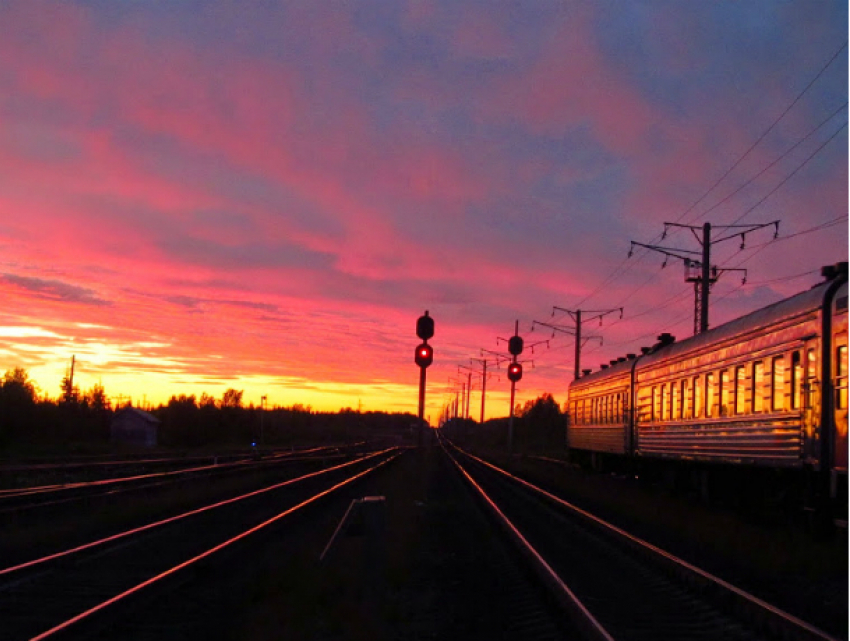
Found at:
<point>841,377</point>
<point>683,386</point>
<point>758,387</point>
<point>723,393</point>
<point>811,375</point>
<point>652,397</point>
<point>617,402</point>
<point>710,394</point>
<point>673,401</point>
<point>796,381</point>
<point>696,402</point>
<point>662,397</point>
<point>740,395</point>
<point>777,384</point>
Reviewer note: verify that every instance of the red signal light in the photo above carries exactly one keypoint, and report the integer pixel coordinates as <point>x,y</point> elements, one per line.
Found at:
<point>424,355</point>
<point>515,372</point>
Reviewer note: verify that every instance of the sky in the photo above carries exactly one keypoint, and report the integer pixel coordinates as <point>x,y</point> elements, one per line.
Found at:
<point>202,195</point>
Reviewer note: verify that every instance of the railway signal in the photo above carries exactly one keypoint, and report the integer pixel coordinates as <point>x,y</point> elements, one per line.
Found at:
<point>424,357</point>
<point>515,346</point>
<point>425,327</point>
<point>515,372</point>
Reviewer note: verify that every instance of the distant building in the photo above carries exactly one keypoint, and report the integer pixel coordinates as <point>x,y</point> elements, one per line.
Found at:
<point>135,427</point>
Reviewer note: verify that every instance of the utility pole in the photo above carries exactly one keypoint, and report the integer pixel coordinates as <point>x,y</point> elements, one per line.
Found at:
<point>701,272</point>
<point>498,360</point>
<point>468,387</point>
<point>71,377</point>
<point>575,330</point>
<point>262,420</point>
<point>483,374</point>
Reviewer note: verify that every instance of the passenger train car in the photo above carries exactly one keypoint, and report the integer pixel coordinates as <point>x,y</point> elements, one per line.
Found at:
<point>765,391</point>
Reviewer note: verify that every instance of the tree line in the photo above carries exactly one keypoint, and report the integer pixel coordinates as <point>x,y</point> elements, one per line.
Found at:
<point>539,426</point>
<point>32,421</point>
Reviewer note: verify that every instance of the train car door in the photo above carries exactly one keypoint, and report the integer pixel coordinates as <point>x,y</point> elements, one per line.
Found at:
<point>839,381</point>
<point>806,389</point>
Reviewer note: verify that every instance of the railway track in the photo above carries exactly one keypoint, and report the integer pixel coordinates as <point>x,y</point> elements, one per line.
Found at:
<point>613,585</point>
<point>83,588</point>
<point>43,496</point>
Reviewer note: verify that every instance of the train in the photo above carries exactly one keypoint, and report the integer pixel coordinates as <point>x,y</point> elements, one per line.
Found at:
<point>762,396</point>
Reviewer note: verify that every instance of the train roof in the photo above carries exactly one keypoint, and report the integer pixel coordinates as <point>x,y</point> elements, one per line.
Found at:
<point>806,301</point>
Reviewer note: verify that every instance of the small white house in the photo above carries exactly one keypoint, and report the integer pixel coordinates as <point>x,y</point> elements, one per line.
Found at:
<point>133,426</point>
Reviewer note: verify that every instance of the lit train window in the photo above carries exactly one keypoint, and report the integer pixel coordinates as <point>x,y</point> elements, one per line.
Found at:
<point>740,396</point>
<point>796,381</point>
<point>662,414</point>
<point>710,395</point>
<point>723,403</point>
<point>841,377</point>
<point>777,384</point>
<point>683,385</point>
<point>653,413</point>
<point>673,401</point>
<point>758,387</point>
<point>811,376</point>
<point>696,402</point>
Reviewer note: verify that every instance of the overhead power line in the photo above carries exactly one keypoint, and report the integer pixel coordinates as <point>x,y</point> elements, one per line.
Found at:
<point>622,265</point>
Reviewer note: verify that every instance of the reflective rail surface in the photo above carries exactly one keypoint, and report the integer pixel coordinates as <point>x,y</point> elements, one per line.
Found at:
<point>46,495</point>
<point>613,584</point>
<point>61,593</point>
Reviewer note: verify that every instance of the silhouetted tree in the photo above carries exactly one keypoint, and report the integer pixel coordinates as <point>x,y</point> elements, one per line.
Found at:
<point>96,398</point>
<point>232,398</point>
<point>18,396</point>
<point>70,393</point>
<point>17,385</point>
<point>542,423</point>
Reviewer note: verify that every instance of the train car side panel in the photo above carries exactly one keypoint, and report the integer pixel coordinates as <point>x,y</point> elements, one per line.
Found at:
<point>746,393</point>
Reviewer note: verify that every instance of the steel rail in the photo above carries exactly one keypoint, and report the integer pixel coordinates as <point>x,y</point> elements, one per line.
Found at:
<point>178,517</point>
<point>769,614</point>
<point>221,467</point>
<point>62,627</point>
<point>40,489</point>
<point>579,614</point>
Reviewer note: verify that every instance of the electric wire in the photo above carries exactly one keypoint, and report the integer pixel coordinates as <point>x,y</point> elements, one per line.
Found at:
<point>728,171</point>
<point>775,162</point>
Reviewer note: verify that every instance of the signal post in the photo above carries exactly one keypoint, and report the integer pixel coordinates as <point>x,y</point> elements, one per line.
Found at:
<point>424,357</point>
<point>515,346</point>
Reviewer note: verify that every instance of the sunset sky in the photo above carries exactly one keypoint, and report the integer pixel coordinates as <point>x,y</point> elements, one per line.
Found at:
<point>198,195</point>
